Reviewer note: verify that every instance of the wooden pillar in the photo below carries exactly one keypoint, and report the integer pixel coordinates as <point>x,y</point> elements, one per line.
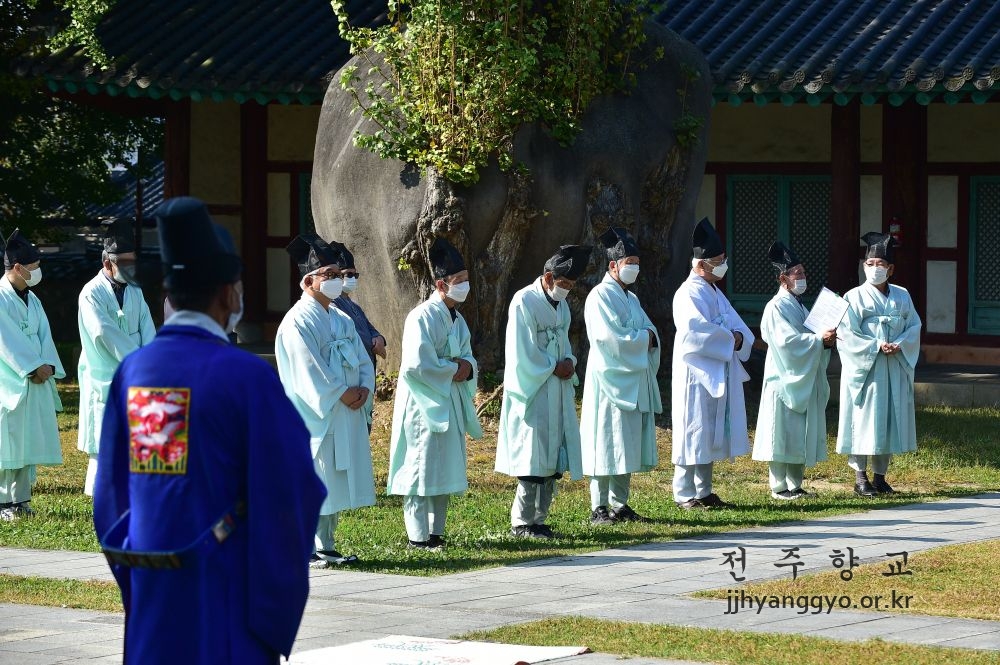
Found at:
<point>904,158</point>
<point>845,195</point>
<point>177,146</point>
<point>253,157</point>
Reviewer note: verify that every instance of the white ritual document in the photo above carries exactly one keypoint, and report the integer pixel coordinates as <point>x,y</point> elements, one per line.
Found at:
<point>827,312</point>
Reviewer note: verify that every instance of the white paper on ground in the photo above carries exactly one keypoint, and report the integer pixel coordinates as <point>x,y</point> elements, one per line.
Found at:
<point>406,650</point>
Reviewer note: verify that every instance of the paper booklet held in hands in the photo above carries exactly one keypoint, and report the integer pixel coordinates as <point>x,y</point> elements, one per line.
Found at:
<point>826,313</point>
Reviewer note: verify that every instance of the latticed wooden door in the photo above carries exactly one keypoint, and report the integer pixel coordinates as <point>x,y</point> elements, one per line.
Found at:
<point>762,209</point>
<point>984,257</point>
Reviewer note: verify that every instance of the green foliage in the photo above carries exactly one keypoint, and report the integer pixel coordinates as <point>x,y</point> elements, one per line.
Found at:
<point>448,82</point>
<point>55,153</point>
<point>688,125</point>
<point>84,15</point>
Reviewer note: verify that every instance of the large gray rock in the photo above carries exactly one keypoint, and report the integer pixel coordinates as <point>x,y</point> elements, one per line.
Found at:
<point>624,168</point>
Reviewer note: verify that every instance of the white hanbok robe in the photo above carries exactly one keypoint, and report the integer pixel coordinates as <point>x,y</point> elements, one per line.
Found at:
<point>791,422</point>
<point>319,357</point>
<point>108,333</point>
<point>29,434</point>
<point>432,413</point>
<point>539,434</point>
<point>876,390</point>
<point>620,394</point>
<point>707,405</point>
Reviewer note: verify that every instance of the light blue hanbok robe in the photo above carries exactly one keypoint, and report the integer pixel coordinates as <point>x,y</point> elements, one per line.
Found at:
<point>791,422</point>
<point>432,413</point>
<point>319,357</point>
<point>620,395</point>
<point>29,434</point>
<point>876,390</point>
<point>108,333</point>
<point>539,434</point>
<point>707,405</point>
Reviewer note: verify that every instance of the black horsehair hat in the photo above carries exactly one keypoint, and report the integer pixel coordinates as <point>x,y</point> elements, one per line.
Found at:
<point>570,261</point>
<point>194,249</point>
<point>311,253</point>
<point>119,237</point>
<point>618,243</point>
<point>879,245</point>
<point>445,259</point>
<point>18,249</point>
<point>705,242</point>
<point>781,257</point>
<point>345,259</point>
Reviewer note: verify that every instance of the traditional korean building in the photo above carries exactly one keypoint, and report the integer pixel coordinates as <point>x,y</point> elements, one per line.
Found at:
<point>831,118</point>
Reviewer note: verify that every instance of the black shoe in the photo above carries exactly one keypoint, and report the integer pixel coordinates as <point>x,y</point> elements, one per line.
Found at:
<point>881,486</point>
<point>784,495</point>
<point>865,489</point>
<point>522,531</point>
<point>691,504</point>
<point>800,493</point>
<point>316,562</point>
<point>436,542</point>
<point>600,516</point>
<point>335,557</point>
<point>542,531</point>
<point>713,501</point>
<point>626,514</point>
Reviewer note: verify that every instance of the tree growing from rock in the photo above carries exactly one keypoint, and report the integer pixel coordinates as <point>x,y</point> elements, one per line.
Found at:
<point>509,127</point>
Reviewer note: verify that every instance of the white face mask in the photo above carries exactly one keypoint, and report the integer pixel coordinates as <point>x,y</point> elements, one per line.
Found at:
<point>558,293</point>
<point>876,274</point>
<point>332,288</point>
<point>459,292</point>
<point>720,270</point>
<point>34,276</point>
<point>799,287</point>
<point>124,275</point>
<point>628,273</point>
<point>234,318</point>
<point>350,284</point>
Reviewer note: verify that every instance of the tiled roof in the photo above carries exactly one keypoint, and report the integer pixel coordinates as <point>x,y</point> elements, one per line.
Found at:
<point>267,50</point>
<point>789,50</point>
<point>760,50</point>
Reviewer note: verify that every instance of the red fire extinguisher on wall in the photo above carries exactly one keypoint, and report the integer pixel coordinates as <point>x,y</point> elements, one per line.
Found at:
<point>896,230</point>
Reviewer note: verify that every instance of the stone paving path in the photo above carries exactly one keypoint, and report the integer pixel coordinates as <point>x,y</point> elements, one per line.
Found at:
<point>647,583</point>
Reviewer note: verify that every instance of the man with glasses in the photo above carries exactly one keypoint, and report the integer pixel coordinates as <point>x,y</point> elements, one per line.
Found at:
<point>327,374</point>
<point>880,343</point>
<point>434,409</point>
<point>539,435</point>
<point>791,422</point>
<point>620,394</point>
<point>707,404</point>
<point>114,321</point>
<point>371,339</point>
<point>29,366</point>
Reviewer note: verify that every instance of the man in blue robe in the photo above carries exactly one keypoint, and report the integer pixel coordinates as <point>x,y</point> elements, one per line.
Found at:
<point>620,394</point>
<point>791,421</point>
<point>879,347</point>
<point>539,435</point>
<point>371,338</point>
<point>434,410</point>
<point>29,366</point>
<point>114,321</point>
<point>205,500</point>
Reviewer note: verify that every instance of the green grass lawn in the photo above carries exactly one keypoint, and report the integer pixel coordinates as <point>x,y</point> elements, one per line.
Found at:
<point>723,646</point>
<point>959,453</point>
